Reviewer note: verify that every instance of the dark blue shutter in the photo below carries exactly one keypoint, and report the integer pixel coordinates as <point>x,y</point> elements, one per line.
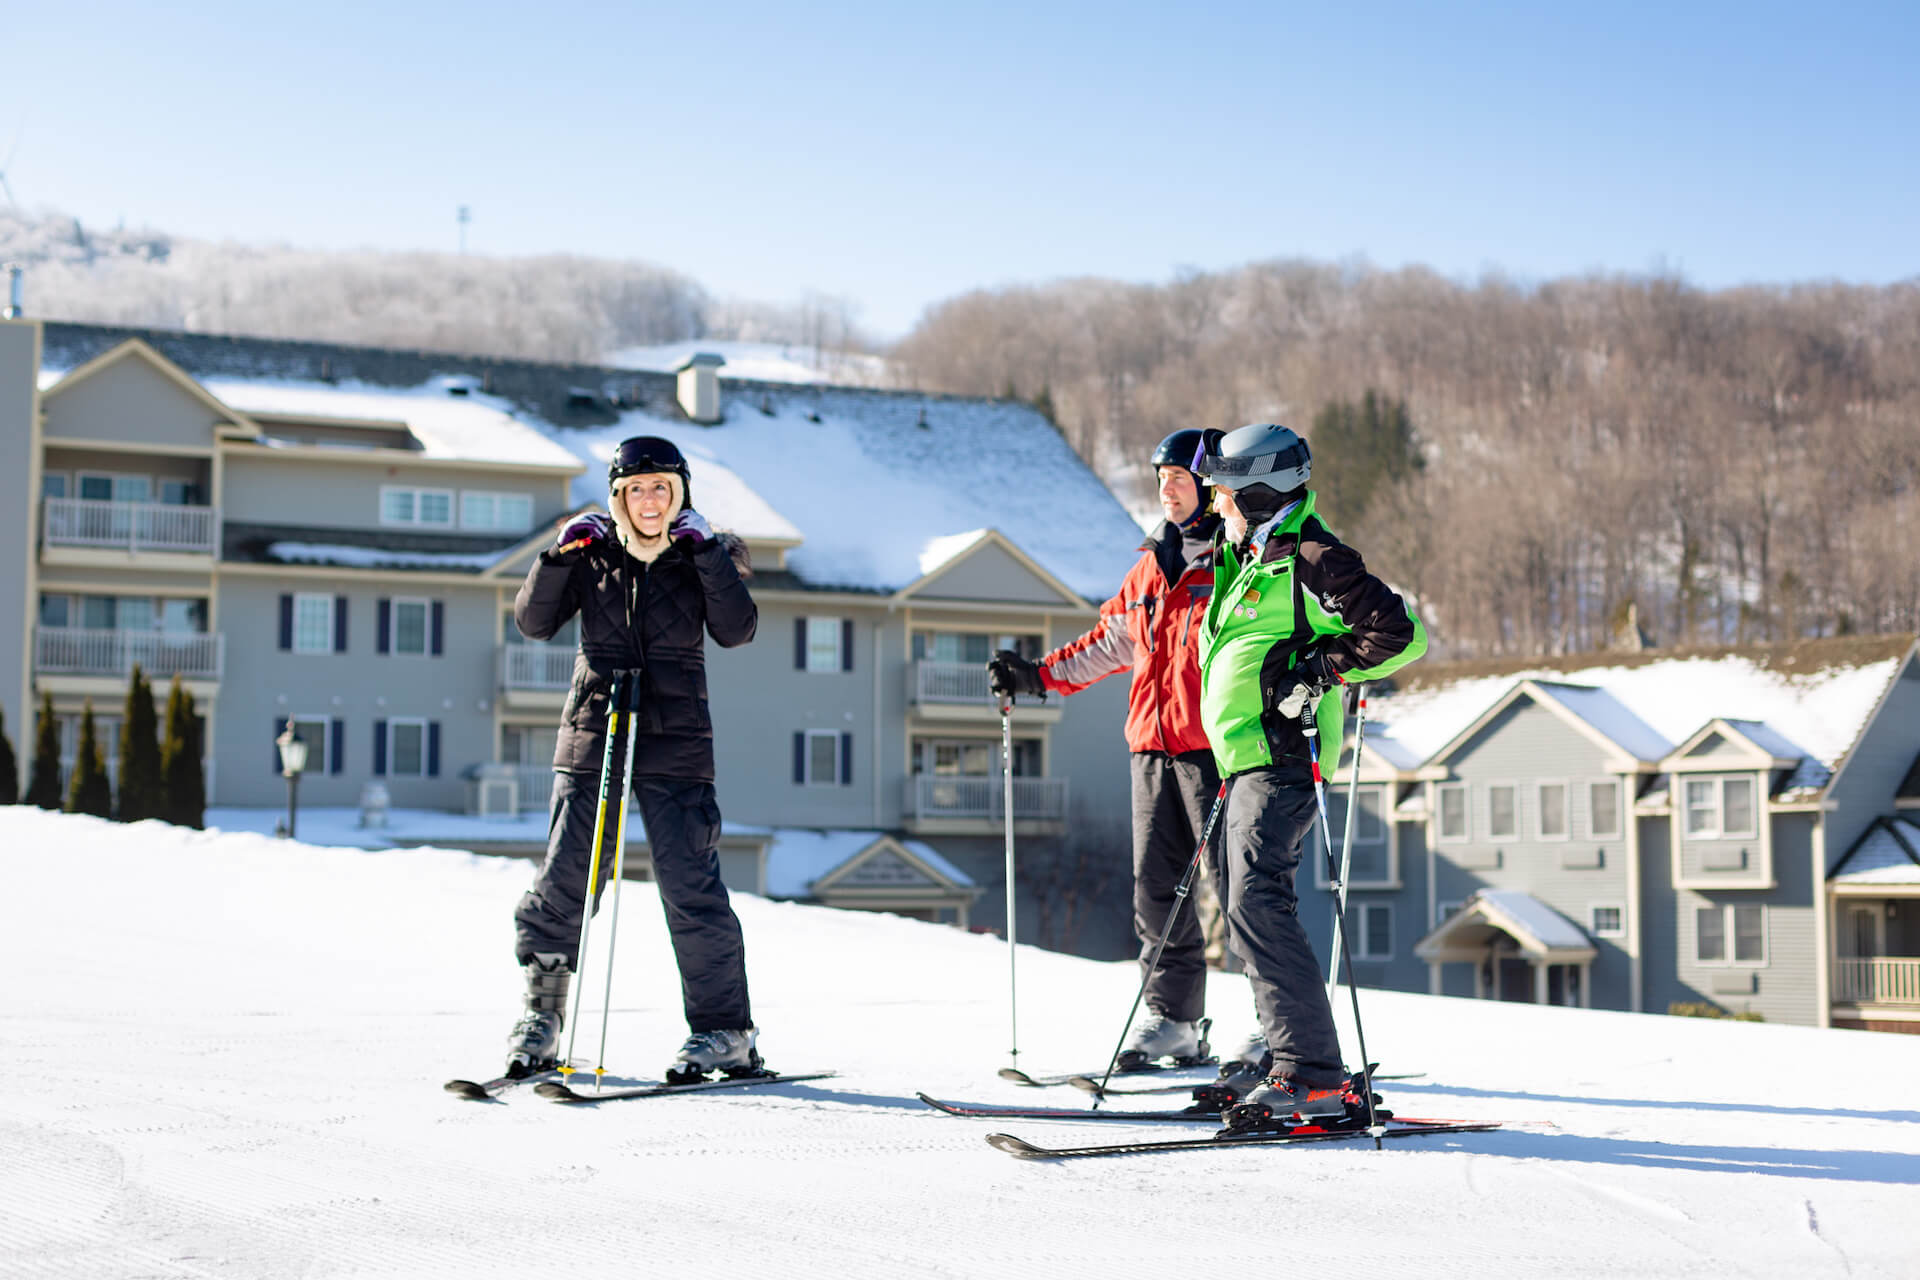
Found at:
<point>846,644</point>
<point>286,622</point>
<point>339,624</point>
<point>433,748</point>
<point>800,758</point>
<point>279,727</point>
<point>338,736</point>
<point>846,759</point>
<point>799,644</point>
<point>439,626</point>
<point>383,629</point>
<point>379,748</point>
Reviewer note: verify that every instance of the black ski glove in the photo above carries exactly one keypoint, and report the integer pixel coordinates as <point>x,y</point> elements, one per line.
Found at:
<point>1009,673</point>
<point>1313,675</point>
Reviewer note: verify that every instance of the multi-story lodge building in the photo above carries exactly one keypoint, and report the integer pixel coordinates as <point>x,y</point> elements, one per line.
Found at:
<point>333,536</point>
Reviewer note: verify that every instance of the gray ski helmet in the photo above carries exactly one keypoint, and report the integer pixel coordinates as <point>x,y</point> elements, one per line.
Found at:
<point>651,455</point>
<point>1259,453</point>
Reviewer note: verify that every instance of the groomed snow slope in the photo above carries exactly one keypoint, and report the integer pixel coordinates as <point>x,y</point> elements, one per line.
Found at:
<point>225,1052</point>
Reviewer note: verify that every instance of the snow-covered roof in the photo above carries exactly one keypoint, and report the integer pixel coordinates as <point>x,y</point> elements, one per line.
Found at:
<point>379,558</point>
<point>1888,854</point>
<point>1814,715</point>
<point>761,361</point>
<point>1547,925</point>
<point>457,428</point>
<point>799,859</point>
<point>877,497</point>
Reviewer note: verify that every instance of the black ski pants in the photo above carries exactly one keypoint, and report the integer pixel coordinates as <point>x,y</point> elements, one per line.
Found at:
<point>682,821</point>
<point>1270,814</point>
<point>1172,796</point>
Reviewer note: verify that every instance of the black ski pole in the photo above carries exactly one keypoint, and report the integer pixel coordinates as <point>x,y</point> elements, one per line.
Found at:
<point>1179,896</point>
<point>1310,727</point>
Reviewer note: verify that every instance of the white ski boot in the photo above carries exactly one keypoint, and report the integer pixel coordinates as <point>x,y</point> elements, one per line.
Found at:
<point>535,1039</point>
<point>1157,1036</point>
<point>709,1051</point>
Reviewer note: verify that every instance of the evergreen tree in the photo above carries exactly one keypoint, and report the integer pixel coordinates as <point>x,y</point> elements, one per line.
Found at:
<point>1360,451</point>
<point>141,789</point>
<point>183,786</point>
<point>91,791</point>
<point>43,784</point>
<point>9,766</point>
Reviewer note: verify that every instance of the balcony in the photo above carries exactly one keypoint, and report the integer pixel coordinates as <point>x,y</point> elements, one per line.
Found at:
<point>952,804</point>
<point>95,655</point>
<point>958,691</point>
<point>1878,980</point>
<point>88,531</point>
<point>535,676</point>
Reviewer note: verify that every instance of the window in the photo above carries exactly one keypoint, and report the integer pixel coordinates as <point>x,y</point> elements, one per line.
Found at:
<point>1603,809</point>
<point>1552,815</point>
<point>1735,933</point>
<point>1373,939</point>
<point>311,730</point>
<point>1453,811</point>
<point>1607,920</point>
<point>1444,911</point>
<point>501,512</point>
<point>56,611</point>
<point>407,748</point>
<point>428,507</point>
<point>823,644</point>
<point>823,758</point>
<point>183,617</point>
<point>54,484</point>
<point>1717,808</point>
<point>1370,862</point>
<point>99,613</point>
<point>1503,818</point>
<point>180,493</point>
<point>974,758</point>
<point>410,626</point>
<point>312,623</point>
<point>972,646</point>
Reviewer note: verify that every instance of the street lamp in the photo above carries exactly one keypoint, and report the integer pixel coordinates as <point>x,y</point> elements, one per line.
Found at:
<point>293,759</point>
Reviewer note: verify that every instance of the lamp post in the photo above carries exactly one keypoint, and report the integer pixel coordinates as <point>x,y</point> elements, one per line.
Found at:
<point>293,759</point>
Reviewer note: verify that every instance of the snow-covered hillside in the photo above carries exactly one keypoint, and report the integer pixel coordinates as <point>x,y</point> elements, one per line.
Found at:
<point>225,1052</point>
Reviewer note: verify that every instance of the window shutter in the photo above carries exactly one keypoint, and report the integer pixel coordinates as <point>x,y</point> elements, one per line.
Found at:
<point>279,727</point>
<point>433,748</point>
<point>379,748</point>
<point>383,628</point>
<point>339,624</point>
<point>800,758</point>
<point>846,644</point>
<point>799,644</point>
<point>439,625</point>
<point>846,759</point>
<point>337,735</point>
<point>286,623</point>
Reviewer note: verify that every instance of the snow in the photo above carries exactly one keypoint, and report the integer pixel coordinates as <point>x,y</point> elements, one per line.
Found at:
<point>378,557</point>
<point>874,494</point>
<point>464,428</point>
<point>762,361</point>
<point>1818,715</point>
<point>1604,713</point>
<point>1882,858</point>
<point>225,1054</point>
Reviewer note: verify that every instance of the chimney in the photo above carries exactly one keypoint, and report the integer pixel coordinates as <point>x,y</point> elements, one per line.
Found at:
<point>16,292</point>
<point>699,386</point>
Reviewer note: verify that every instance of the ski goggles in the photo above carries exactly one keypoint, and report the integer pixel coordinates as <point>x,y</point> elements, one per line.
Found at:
<point>1249,466</point>
<point>644,454</point>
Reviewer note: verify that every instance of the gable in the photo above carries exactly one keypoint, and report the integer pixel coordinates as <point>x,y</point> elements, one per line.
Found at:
<point>989,572</point>
<point>131,401</point>
<point>885,869</point>
<point>1527,738</point>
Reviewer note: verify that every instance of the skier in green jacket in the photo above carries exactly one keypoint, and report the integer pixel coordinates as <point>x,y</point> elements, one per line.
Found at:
<point>1294,614</point>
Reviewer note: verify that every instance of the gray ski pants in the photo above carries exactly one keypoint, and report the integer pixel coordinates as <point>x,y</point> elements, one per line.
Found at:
<point>1171,798</point>
<point>682,822</point>
<point>1270,813</point>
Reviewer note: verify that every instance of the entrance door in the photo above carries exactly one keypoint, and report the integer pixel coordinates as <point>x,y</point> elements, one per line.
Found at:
<point>1860,931</point>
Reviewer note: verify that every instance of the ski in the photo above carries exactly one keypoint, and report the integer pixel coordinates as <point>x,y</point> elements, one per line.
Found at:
<point>1017,1076</point>
<point>557,1091</point>
<point>491,1090</point>
<point>979,1110</point>
<point>1306,1133</point>
<point>1087,1084</point>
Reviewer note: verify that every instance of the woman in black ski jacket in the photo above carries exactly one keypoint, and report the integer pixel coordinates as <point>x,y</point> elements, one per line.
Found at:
<point>649,582</point>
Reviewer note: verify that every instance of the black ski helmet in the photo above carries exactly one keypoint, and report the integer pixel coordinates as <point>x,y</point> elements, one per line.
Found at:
<point>650,455</point>
<point>1259,453</point>
<point>1182,449</point>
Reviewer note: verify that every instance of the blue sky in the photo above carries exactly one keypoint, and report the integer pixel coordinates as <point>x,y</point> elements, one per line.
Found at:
<point>901,154</point>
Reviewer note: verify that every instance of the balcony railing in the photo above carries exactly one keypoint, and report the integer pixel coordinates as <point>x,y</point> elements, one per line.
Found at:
<point>536,666</point>
<point>950,682</point>
<point>161,654</point>
<point>536,786</point>
<point>131,526</point>
<point>954,796</point>
<point>1876,980</point>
